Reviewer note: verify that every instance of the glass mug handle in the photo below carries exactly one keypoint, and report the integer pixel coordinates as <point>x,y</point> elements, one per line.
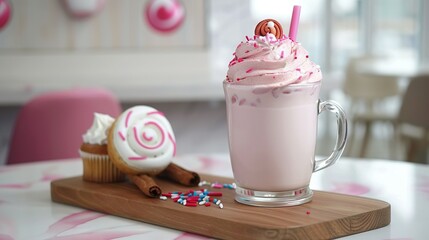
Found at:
<point>340,144</point>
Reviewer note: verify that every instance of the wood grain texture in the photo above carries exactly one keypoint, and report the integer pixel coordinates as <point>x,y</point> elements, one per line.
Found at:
<point>330,215</point>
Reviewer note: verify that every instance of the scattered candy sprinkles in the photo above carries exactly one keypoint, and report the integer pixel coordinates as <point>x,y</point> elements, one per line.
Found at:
<point>202,197</point>
<point>217,185</point>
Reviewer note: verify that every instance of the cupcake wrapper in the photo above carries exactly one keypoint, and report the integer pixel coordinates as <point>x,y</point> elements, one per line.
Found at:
<point>99,168</point>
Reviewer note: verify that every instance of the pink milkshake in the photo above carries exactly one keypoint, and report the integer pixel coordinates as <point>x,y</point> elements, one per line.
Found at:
<point>272,98</point>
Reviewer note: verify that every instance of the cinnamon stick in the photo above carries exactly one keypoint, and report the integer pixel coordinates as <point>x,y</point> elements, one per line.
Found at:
<point>180,175</point>
<point>146,184</point>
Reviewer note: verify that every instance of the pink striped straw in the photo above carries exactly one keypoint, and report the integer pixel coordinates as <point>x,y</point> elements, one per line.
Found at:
<point>294,22</point>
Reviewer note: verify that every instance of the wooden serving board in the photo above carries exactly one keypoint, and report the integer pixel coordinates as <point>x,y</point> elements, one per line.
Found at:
<point>328,215</point>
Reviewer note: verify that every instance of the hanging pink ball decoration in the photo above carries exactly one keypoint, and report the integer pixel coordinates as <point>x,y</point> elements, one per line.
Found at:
<point>164,15</point>
<point>5,12</point>
<point>81,9</point>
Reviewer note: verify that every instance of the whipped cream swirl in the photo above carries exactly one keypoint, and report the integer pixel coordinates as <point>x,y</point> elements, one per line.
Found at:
<point>265,60</point>
<point>98,132</point>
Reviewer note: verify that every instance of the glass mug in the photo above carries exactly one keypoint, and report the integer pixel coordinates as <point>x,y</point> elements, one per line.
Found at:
<point>272,140</point>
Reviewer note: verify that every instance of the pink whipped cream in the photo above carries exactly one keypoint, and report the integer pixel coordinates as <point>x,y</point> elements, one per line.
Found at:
<point>263,60</point>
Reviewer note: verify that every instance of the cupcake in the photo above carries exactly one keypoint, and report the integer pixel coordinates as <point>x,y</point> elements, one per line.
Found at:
<point>97,166</point>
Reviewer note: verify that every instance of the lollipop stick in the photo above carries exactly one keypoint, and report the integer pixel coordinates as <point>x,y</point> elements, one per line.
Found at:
<point>180,175</point>
<point>146,184</point>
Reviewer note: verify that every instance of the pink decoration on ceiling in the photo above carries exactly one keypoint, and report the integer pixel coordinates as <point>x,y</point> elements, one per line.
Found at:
<point>80,9</point>
<point>164,15</point>
<point>5,12</point>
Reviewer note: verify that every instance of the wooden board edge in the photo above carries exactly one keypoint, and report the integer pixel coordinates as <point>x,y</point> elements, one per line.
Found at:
<point>336,228</point>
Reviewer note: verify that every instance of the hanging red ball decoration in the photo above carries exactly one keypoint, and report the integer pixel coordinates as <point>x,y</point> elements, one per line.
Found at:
<point>164,15</point>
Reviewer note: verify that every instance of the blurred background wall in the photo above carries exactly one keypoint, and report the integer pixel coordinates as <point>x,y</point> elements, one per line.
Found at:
<point>48,46</point>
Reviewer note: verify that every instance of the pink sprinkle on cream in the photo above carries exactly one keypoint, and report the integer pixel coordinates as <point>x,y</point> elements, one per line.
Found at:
<point>146,138</point>
<point>282,54</point>
<point>121,135</point>
<point>146,146</point>
<point>156,112</point>
<point>127,118</point>
<point>247,38</point>
<point>240,60</point>
<point>249,70</point>
<point>255,45</point>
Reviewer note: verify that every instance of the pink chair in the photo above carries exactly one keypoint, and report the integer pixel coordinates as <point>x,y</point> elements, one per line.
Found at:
<point>51,125</point>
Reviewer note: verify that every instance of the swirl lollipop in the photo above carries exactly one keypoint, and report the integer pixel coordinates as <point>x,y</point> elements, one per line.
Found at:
<point>141,144</point>
<point>269,26</point>
<point>143,140</point>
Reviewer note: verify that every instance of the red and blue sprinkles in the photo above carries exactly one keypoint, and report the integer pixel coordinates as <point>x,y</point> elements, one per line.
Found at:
<point>217,185</point>
<point>202,197</point>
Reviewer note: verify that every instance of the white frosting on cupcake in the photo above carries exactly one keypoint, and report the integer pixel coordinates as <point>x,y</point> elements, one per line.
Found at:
<point>98,132</point>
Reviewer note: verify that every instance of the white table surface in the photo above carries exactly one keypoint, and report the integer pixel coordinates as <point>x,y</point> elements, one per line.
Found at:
<point>27,212</point>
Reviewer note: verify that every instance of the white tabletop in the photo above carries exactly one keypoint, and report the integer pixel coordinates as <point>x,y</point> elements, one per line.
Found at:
<point>27,212</point>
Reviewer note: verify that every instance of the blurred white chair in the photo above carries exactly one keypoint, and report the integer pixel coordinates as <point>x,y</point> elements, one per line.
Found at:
<point>368,95</point>
<point>413,118</point>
